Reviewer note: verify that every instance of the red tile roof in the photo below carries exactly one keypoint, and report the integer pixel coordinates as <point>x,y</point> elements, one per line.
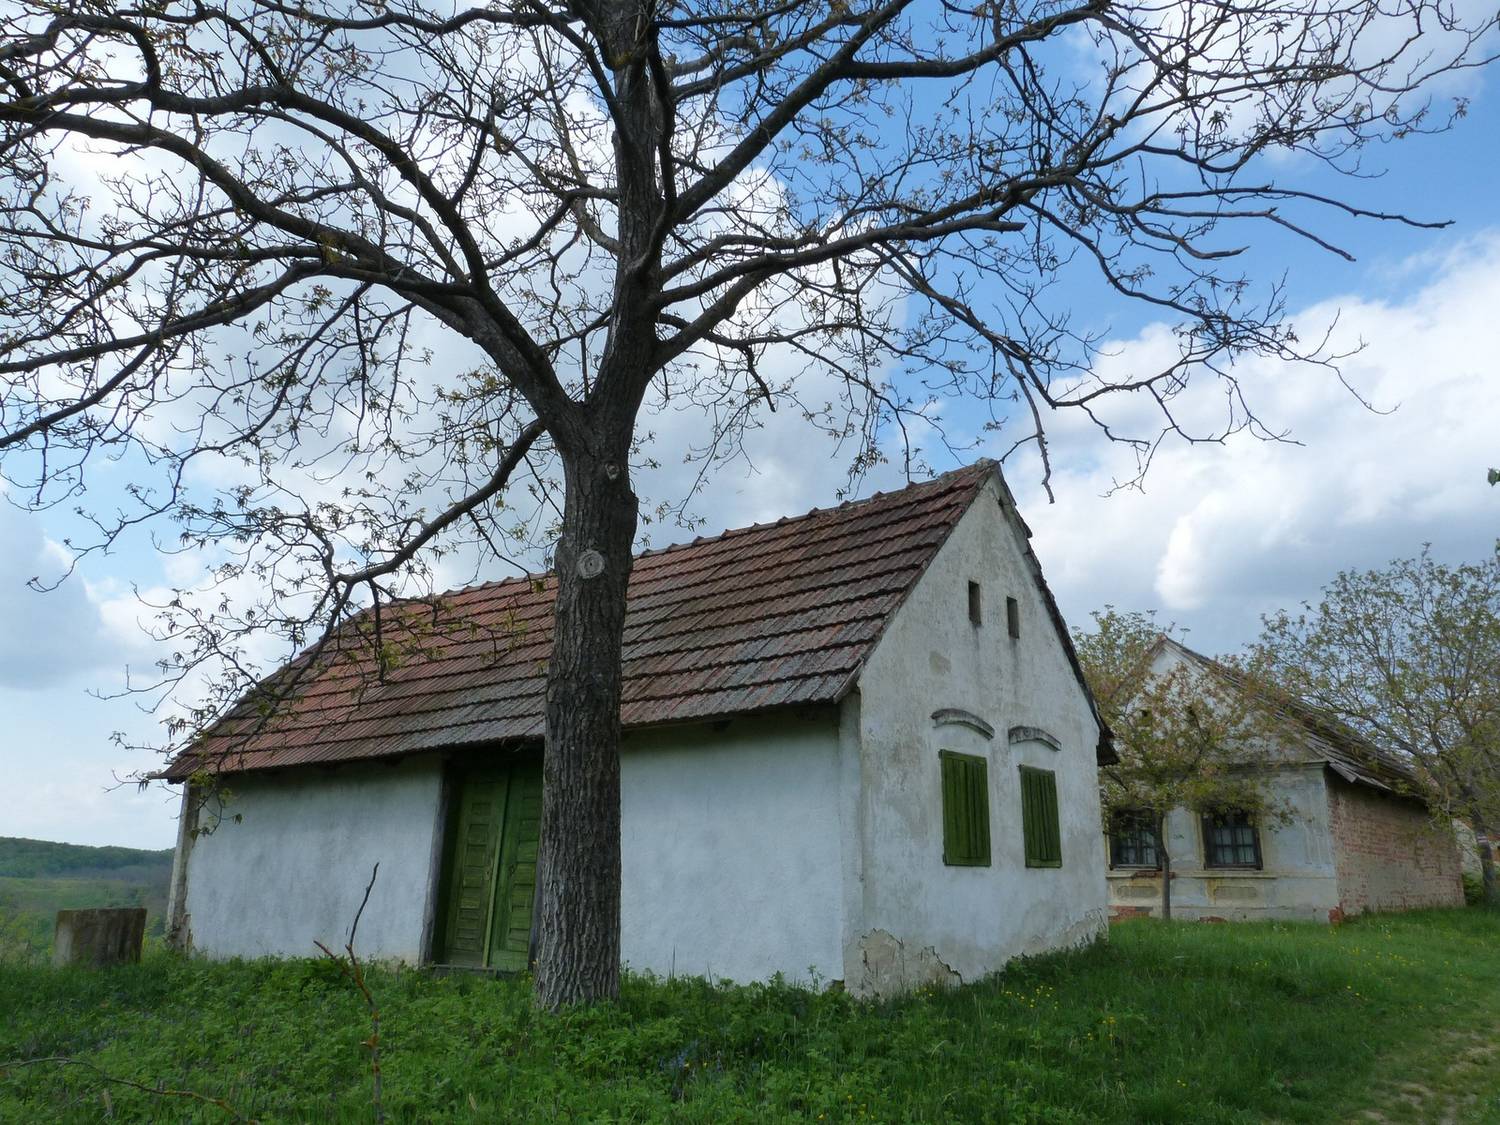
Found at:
<point>767,616</point>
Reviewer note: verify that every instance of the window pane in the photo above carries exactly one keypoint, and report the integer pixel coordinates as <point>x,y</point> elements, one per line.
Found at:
<point>1132,841</point>
<point>1229,840</point>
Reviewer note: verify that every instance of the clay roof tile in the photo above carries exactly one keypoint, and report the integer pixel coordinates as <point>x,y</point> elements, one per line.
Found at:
<point>773,615</point>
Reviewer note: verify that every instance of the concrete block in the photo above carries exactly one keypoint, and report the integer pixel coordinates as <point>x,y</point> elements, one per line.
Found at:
<point>96,938</point>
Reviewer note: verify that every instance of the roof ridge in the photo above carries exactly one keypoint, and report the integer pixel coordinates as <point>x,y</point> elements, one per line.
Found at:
<point>974,467</point>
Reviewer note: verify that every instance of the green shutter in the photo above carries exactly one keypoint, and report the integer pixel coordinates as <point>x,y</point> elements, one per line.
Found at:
<point>966,809</point>
<point>1039,823</point>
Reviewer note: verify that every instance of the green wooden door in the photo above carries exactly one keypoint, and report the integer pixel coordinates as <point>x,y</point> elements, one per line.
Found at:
<point>471,867</point>
<point>515,876</point>
<point>490,877</point>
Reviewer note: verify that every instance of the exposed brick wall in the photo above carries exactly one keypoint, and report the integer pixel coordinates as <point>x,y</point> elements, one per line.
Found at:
<point>1388,852</point>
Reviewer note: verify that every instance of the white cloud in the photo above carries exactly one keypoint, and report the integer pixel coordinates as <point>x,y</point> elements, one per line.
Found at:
<point>65,778</point>
<point>46,637</point>
<point>61,767</point>
<point>1222,534</point>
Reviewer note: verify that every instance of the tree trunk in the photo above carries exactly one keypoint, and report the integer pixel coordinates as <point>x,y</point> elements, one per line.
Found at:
<point>578,931</point>
<point>1166,868</point>
<point>1487,864</point>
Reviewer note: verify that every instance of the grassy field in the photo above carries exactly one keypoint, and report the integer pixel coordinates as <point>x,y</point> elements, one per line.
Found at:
<point>1382,1019</point>
<point>28,908</point>
<point>38,878</point>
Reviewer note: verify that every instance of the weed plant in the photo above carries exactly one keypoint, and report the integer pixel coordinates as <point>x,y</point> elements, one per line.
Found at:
<point>1163,1023</point>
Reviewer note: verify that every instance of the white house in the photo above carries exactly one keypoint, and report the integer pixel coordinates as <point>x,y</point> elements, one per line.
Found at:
<point>1357,835</point>
<point>858,747</point>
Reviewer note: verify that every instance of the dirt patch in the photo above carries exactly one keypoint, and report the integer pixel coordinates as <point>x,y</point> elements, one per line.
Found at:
<point>1449,1093</point>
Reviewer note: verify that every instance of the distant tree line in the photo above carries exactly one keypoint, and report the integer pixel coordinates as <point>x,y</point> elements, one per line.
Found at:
<point>36,859</point>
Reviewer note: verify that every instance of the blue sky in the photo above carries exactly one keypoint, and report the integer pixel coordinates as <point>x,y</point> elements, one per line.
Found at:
<point>1218,535</point>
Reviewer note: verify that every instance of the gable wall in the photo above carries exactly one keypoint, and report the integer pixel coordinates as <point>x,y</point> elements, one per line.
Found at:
<point>293,869</point>
<point>1168,659</point>
<point>912,918</point>
<point>1389,853</point>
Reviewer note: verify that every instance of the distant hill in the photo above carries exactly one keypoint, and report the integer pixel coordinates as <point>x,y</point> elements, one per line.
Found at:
<point>40,877</point>
<point>35,859</point>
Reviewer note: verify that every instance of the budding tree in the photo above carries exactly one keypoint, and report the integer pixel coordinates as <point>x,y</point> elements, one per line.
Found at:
<point>1189,733</point>
<point>235,234</point>
<point>1409,655</point>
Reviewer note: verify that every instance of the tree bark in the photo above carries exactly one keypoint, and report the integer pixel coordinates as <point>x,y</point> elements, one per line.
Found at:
<point>1166,869</point>
<point>1487,864</point>
<point>578,931</point>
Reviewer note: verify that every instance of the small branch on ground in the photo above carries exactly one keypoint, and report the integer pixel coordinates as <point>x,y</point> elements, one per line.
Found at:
<point>115,1080</point>
<point>351,968</point>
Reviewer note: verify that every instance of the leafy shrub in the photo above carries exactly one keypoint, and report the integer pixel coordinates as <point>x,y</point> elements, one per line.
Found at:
<point>23,940</point>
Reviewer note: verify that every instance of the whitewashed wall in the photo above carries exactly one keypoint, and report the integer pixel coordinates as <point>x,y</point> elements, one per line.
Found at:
<point>731,849</point>
<point>915,918</point>
<point>294,868</point>
<point>1297,879</point>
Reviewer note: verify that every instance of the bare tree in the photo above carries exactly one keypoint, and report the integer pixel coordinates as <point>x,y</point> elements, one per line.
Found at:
<point>232,235</point>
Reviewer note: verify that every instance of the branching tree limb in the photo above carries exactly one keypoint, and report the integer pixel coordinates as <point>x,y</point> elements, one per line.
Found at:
<point>328,279</point>
<point>349,965</point>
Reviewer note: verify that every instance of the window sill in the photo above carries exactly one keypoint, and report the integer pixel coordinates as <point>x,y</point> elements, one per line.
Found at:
<point>1190,873</point>
<point>1234,873</point>
<point>1229,873</point>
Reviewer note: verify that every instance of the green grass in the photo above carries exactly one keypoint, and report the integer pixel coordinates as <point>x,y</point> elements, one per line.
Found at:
<point>1189,1023</point>
<point>39,877</point>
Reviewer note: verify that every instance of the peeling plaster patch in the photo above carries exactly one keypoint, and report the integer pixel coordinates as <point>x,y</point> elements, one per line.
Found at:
<point>1090,928</point>
<point>1227,890</point>
<point>888,969</point>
